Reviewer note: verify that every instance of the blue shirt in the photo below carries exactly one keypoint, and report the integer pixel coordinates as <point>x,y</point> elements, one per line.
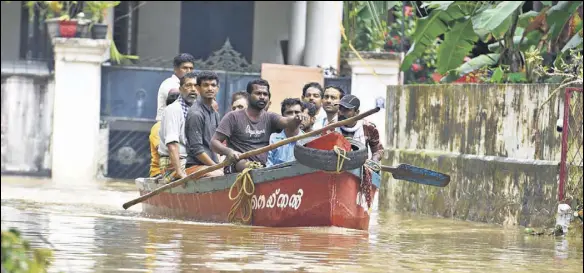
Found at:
<point>281,154</point>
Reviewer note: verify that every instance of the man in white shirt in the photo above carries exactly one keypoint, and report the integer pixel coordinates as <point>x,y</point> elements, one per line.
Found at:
<point>183,63</point>
<point>313,93</point>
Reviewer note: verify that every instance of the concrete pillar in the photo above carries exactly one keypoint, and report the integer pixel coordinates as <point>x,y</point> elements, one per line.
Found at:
<point>323,33</point>
<point>297,33</point>
<point>369,81</point>
<point>76,108</point>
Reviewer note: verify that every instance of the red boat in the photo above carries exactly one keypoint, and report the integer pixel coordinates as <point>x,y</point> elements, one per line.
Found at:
<point>286,195</point>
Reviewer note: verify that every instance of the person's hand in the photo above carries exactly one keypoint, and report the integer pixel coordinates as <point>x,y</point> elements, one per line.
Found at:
<point>304,124</point>
<point>233,156</point>
<point>300,119</point>
<point>181,174</point>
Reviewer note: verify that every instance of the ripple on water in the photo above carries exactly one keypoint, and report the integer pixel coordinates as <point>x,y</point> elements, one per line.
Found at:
<point>90,232</point>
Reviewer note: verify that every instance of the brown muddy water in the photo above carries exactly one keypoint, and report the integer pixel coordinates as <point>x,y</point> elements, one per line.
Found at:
<point>90,232</point>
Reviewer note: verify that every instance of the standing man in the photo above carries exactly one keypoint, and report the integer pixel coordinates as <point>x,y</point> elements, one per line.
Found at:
<point>173,152</point>
<point>330,104</point>
<point>313,93</point>
<point>283,154</point>
<point>201,122</point>
<point>360,130</point>
<point>155,137</point>
<point>250,129</point>
<point>183,63</point>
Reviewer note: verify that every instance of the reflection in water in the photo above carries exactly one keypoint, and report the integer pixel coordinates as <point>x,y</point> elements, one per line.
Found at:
<point>91,233</point>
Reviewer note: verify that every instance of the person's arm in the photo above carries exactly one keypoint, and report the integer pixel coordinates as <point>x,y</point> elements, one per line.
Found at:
<point>375,144</point>
<point>173,150</point>
<point>161,102</point>
<point>286,122</point>
<point>221,134</point>
<point>194,128</point>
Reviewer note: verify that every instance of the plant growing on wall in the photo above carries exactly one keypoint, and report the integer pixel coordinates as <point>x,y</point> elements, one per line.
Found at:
<point>502,23</point>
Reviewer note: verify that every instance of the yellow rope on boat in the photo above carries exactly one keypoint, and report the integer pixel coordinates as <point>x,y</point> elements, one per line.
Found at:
<point>243,197</point>
<point>341,156</point>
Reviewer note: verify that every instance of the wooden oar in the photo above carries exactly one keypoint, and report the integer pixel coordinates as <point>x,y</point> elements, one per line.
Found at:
<point>248,154</point>
<point>417,175</point>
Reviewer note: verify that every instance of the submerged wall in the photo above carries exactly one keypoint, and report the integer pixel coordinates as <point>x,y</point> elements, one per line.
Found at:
<point>27,106</point>
<point>498,143</point>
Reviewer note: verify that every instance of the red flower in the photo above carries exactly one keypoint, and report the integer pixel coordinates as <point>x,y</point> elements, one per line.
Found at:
<point>417,67</point>
<point>423,79</point>
<point>389,43</point>
<point>408,11</point>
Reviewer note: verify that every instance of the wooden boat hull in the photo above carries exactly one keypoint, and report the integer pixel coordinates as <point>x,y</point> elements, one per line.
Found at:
<point>287,195</point>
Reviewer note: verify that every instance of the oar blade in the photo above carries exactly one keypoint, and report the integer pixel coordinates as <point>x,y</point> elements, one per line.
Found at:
<point>421,175</point>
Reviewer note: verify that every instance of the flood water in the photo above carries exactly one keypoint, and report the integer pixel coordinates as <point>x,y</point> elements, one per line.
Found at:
<point>90,232</point>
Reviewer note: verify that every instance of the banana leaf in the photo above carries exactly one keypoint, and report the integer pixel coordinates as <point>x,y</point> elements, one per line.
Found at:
<point>472,65</point>
<point>493,19</point>
<point>438,22</point>
<point>458,42</point>
<point>558,15</point>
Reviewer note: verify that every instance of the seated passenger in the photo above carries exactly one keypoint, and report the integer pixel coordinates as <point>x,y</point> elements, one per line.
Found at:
<point>250,129</point>
<point>360,130</point>
<point>282,154</point>
<point>155,138</point>
<point>313,93</point>
<point>239,100</point>
<point>310,112</point>
<point>201,122</point>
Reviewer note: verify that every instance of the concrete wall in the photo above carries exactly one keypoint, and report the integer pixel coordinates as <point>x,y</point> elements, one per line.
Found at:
<point>27,105</point>
<point>370,77</point>
<point>10,30</point>
<point>500,148</point>
<point>270,26</point>
<point>158,36</point>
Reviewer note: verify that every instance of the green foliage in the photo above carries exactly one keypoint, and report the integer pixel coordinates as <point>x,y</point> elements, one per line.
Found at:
<point>501,23</point>
<point>365,24</point>
<point>18,256</point>
<point>98,9</point>
<point>437,23</point>
<point>64,10</point>
<point>457,43</point>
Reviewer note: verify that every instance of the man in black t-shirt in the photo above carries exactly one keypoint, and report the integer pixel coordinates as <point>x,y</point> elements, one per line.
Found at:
<point>250,129</point>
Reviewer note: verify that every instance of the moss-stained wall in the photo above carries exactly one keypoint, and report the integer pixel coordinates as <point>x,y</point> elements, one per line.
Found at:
<point>498,143</point>
<point>480,119</point>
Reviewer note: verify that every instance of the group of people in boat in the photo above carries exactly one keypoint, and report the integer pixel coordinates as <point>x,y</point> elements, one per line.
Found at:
<point>190,135</point>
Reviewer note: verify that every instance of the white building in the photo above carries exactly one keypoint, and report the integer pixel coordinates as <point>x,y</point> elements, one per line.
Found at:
<point>156,30</point>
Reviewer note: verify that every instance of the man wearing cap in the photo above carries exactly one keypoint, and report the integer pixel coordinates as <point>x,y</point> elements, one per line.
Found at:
<point>360,130</point>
